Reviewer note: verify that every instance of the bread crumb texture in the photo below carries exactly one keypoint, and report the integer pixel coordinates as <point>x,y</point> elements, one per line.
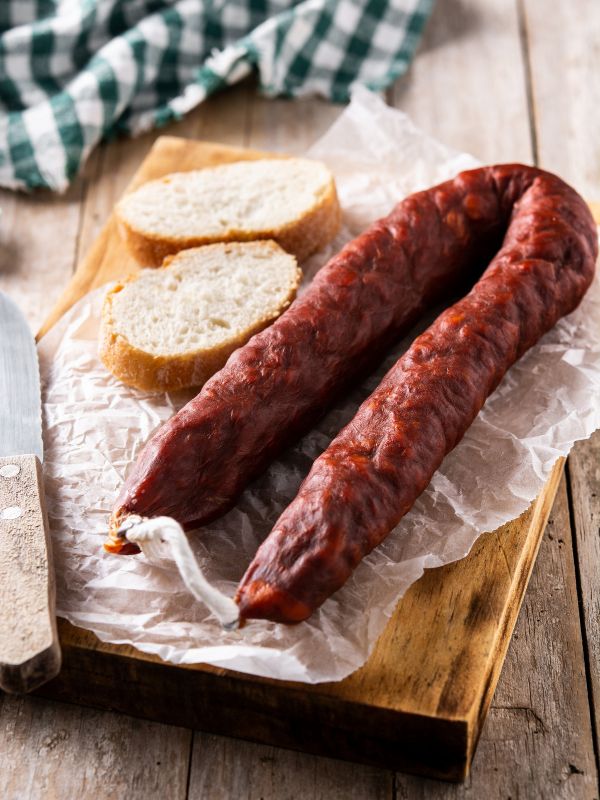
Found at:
<point>173,327</point>
<point>290,200</point>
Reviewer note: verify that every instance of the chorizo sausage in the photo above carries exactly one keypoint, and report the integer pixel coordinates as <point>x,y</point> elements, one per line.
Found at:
<point>361,301</point>
<point>373,471</point>
<point>270,391</point>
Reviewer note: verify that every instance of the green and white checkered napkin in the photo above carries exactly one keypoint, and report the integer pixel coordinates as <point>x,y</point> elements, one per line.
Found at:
<point>75,71</point>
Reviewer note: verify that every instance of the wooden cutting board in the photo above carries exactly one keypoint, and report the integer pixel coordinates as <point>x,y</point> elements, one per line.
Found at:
<point>417,705</point>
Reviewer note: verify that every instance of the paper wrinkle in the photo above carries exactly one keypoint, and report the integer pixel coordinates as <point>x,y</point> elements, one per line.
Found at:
<point>95,428</point>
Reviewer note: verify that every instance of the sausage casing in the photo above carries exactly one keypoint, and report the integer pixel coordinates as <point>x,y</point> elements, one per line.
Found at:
<point>271,390</point>
<point>373,471</point>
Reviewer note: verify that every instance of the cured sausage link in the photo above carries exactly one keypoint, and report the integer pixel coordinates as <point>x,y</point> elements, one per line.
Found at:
<point>373,471</point>
<point>273,388</point>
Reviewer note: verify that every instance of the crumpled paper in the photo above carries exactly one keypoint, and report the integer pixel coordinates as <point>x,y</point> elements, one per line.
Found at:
<point>95,428</point>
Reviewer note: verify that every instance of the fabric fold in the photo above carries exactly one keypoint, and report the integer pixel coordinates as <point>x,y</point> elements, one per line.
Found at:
<point>74,73</point>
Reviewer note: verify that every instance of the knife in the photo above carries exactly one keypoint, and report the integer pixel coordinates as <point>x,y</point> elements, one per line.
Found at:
<point>29,648</point>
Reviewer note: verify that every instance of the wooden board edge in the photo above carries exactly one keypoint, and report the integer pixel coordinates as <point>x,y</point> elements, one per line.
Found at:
<point>228,704</point>
<point>541,512</point>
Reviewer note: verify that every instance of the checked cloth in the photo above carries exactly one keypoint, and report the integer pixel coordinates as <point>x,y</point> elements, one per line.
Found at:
<point>73,72</point>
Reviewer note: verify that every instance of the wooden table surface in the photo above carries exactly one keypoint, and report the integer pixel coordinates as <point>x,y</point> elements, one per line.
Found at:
<point>507,80</point>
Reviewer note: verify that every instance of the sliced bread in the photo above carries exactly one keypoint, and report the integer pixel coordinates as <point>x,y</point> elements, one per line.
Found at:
<point>176,326</point>
<point>290,200</point>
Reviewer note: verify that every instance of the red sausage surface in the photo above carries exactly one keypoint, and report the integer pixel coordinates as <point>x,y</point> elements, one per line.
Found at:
<point>271,390</point>
<point>373,471</point>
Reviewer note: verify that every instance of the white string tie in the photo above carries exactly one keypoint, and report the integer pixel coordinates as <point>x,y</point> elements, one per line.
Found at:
<point>149,534</point>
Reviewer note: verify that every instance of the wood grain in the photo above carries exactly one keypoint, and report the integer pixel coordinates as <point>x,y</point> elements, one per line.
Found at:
<point>288,126</point>
<point>566,98</point>
<point>29,649</point>
<point>222,769</point>
<point>80,753</point>
<point>566,103</point>
<point>584,473</point>
<point>537,740</point>
<point>466,87</point>
<point>38,235</point>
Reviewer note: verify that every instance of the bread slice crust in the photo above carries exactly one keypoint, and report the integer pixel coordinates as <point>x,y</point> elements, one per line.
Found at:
<point>141,369</point>
<point>301,236</point>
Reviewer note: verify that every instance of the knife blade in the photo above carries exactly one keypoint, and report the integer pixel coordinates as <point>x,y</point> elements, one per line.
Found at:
<point>29,648</point>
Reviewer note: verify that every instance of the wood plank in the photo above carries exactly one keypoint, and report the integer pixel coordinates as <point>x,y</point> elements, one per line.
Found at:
<point>564,61</point>
<point>567,115</point>
<point>584,473</point>
<point>38,234</point>
<point>470,60</point>
<point>471,55</point>
<point>537,740</point>
<point>54,751</point>
<point>289,126</point>
<point>223,768</point>
<point>466,87</point>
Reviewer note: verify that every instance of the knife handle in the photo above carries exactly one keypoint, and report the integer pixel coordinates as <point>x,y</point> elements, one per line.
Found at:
<point>29,647</point>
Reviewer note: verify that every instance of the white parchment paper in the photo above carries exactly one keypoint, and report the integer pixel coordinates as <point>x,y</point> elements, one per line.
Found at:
<point>95,428</point>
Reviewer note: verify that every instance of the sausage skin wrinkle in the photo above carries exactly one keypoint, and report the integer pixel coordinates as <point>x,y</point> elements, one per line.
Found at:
<point>362,300</point>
